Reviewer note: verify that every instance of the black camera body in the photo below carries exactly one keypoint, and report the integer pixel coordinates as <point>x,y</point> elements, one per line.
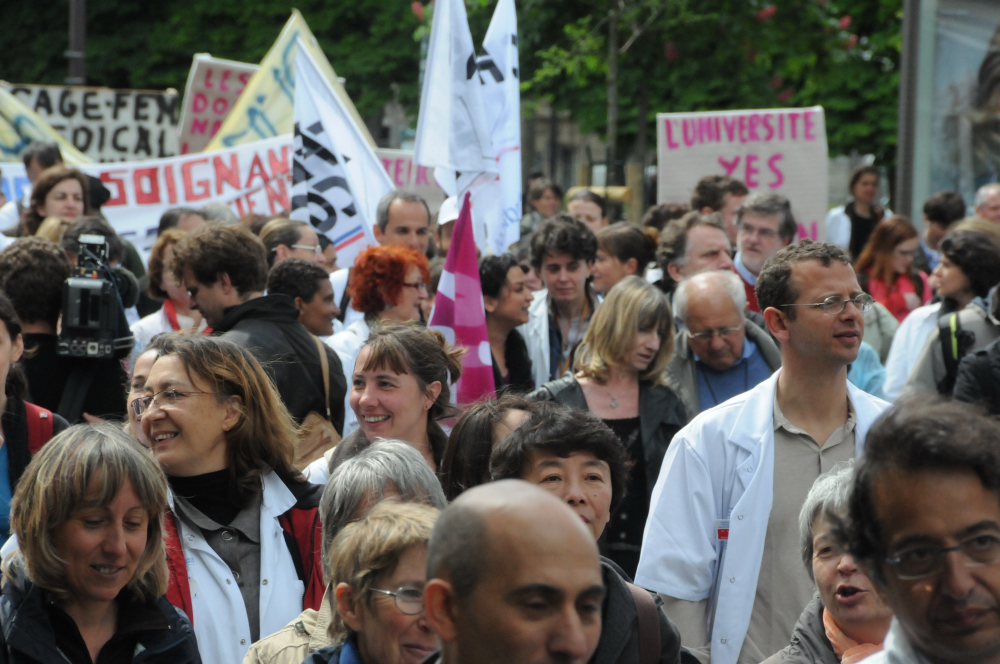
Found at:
<point>93,316</point>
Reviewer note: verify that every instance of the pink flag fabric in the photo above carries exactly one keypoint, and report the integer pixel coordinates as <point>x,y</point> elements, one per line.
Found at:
<point>458,311</point>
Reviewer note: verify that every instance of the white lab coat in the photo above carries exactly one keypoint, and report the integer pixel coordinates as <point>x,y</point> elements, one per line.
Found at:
<point>721,466</point>
<point>536,337</point>
<point>907,343</point>
<point>338,280</point>
<point>220,618</point>
<point>347,345</point>
<point>838,226</point>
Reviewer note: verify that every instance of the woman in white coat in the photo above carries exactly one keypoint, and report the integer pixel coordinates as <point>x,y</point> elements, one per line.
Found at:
<point>387,284</point>
<point>243,527</point>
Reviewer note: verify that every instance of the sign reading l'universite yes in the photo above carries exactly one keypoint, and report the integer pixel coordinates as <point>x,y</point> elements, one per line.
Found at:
<point>106,124</point>
<point>779,150</point>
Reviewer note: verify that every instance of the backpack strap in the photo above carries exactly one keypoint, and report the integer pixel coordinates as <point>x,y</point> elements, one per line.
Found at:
<point>39,426</point>
<point>649,625</point>
<point>955,343</point>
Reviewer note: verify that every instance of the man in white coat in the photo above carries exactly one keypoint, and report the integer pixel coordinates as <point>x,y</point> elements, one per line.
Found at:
<point>720,544</point>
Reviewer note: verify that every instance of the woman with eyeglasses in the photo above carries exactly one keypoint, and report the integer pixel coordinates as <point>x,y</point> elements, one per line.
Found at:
<point>506,297</point>
<point>619,378</point>
<point>287,238</point>
<point>378,567</point>
<point>388,284</point>
<point>243,524</point>
<point>885,268</point>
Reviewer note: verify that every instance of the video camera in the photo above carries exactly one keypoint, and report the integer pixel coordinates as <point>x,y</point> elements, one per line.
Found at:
<point>93,314</point>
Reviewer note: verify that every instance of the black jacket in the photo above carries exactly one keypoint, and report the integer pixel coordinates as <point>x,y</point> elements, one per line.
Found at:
<point>269,327</point>
<point>15,431</point>
<point>522,379</point>
<point>49,374</point>
<point>26,633</point>
<point>661,415</point>
<point>809,643</point>
<point>978,378</point>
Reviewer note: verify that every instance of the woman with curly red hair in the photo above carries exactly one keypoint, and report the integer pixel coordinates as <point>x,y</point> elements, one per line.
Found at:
<point>885,267</point>
<point>387,284</point>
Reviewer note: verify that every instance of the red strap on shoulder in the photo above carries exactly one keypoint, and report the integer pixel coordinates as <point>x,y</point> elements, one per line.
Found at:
<point>178,589</point>
<point>39,426</point>
<point>306,529</point>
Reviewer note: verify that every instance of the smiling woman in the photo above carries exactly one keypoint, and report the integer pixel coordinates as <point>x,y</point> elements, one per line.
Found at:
<point>88,581</point>
<point>225,440</point>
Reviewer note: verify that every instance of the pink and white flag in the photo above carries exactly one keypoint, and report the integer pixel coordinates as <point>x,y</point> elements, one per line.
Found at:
<point>459,314</point>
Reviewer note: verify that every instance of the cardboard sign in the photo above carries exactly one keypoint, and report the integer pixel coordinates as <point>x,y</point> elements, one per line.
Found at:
<point>106,124</point>
<point>407,175</point>
<point>780,150</point>
<point>213,86</point>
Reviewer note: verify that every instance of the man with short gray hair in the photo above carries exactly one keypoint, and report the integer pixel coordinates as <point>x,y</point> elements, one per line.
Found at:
<point>764,224</point>
<point>719,353</point>
<point>402,219</point>
<point>988,202</point>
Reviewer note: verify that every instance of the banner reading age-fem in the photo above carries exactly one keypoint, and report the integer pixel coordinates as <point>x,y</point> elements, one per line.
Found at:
<point>780,150</point>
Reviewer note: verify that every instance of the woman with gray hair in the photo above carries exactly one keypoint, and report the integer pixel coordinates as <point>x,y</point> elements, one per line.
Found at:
<point>387,470</point>
<point>846,621</point>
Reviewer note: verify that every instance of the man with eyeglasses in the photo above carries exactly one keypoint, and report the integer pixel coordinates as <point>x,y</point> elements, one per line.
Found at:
<point>719,353</point>
<point>764,224</point>
<point>736,477</point>
<point>925,523</point>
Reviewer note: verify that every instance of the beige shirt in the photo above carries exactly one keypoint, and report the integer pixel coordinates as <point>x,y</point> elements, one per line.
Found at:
<point>783,586</point>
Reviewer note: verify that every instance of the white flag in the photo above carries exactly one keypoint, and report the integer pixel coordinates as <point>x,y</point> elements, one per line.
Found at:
<point>453,133</point>
<point>500,77</point>
<point>337,178</point>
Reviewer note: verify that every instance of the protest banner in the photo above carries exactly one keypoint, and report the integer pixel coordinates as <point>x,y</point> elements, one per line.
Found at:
<point>19,126</point>
<point>249,178</point>
<point>107,124</point>
<point>213,86</point>
<point>778,150</point>
<point>265,109</point>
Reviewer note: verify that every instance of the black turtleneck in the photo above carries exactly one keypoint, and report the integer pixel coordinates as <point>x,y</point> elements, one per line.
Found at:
<point>210,494</point>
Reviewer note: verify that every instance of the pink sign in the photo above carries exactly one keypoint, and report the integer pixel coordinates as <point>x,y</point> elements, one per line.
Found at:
<point>213,87</point>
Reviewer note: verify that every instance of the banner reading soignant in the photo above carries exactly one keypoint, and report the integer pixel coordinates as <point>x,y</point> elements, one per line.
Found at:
<point>779,150</point>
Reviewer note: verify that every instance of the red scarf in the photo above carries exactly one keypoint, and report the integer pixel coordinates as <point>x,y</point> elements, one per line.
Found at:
<point>171,313</point>
<point>847,649</point>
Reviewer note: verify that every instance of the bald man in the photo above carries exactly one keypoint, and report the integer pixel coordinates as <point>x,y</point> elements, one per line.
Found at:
<point>513,576</point>
<point>719,353</point>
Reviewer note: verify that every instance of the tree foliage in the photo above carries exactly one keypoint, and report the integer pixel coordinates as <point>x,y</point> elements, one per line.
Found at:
<point>688,54</point>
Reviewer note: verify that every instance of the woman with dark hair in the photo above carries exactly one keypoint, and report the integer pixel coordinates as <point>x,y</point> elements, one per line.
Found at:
<point>24,427</point>
<point>544,199</point>
<point>475,435</point>
<point>885,268</point>
<point>401,389</point>
<point>580,460</point>
<point>387,284</point>
<point>622,250</point>
<point>620,374</point>
<point>176,312</point>
<point>87,582</point>
<point>506,298</point>
<point>58,192</point>
<point>243,525</point>
<point>850,226</point>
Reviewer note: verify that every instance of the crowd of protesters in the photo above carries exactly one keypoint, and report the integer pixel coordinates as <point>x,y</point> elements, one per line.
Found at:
<point>691,454</point>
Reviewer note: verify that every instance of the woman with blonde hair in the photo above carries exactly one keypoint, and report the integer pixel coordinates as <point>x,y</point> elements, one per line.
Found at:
<point>243,527</point>
<point>619,378</point>
<point>378,567</point>
<point>88,580</point>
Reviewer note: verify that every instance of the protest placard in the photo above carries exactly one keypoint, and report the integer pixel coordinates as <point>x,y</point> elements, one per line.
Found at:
<point>251,178</point>
<point>19,126</point>
<point>213,86</point>
<point>779,150</point>
<point>106,124</point>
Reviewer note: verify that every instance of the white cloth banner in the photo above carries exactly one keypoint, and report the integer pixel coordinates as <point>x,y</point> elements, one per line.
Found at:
<point>499,75</point>
<point>453,135</point>
<point>338,179</point>
<point>778,150</point>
